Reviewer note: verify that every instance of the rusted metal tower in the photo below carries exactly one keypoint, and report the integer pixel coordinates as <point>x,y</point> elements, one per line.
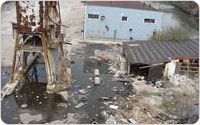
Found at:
<point>38,34</point>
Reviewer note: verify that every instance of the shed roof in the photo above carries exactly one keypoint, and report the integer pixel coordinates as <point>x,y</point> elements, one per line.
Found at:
<point>121,4</point>
<point>151,52</point>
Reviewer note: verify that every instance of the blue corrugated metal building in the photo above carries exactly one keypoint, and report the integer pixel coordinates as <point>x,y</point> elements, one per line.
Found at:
<point>127,20</point>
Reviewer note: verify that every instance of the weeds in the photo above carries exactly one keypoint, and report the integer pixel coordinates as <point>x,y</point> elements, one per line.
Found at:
<point>148,94</point>
<point>171,34</point>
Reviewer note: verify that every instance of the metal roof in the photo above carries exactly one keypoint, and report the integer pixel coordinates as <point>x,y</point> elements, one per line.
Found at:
<point>151,52</point>
<point>121,4</point>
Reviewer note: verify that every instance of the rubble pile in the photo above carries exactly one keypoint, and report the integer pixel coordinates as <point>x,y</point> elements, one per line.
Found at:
<point>178,79</point>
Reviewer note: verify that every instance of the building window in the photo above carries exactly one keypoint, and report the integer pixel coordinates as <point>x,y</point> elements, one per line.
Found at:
<point>93,16</point>
<point>124,18</point>
<point>102,18</point>
<point>146,20</point>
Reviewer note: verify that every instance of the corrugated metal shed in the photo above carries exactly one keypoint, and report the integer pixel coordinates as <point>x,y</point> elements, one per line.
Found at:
<point>151,52</point>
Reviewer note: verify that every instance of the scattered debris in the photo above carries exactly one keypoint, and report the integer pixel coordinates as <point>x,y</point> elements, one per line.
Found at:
<point>124,121</point>
<point>178,79</point>
<point>94,121</point>
<point>119,74</point>
<point>132,121</point>
<point>113,107</point>
<point>82,91</point>
<point>62,105</point>
<point>140,78</point>
<point>72,118</point>
<point>111,120</point>
<point>83,99</point>
<point>105,98</point>
<point>104,114</point>
<point>79,105</point>
<point>115,89</point>
<point>96,72</point>
<point>89,87</point>
<point>97,81</point>
<point>156,84</point>
<point>76,86</point>
<point>64,95</point>
<point>24,105</point>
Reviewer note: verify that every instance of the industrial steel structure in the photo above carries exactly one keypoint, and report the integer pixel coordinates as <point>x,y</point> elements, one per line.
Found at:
<point>38,34</point>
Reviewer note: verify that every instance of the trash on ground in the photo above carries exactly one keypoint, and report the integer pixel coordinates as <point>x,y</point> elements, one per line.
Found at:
<point>113,107</point>
<point>83,99</point>
<point>82,91</point>
<point>96,72</point>
<point>105,98</point>
<point>89,87</point>
<point>24,105</point>
<point>97,80</point>
<point>79,105</point>
<point>132,121</point>
<point>111,120</point>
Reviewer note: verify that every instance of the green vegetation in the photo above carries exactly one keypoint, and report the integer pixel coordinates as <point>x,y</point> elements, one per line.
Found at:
<point>167,107</point>
<point>173,34</point>
<point>147,94</point>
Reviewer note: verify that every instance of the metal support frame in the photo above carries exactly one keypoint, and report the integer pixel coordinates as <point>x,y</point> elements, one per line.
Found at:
<point>46,27</point>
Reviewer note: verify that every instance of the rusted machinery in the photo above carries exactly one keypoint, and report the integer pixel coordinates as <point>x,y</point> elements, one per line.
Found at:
<point>38,34</point>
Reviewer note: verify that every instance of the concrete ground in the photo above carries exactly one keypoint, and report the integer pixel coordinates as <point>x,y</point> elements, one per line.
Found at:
<point>72,14</point>
<point>8,15</point>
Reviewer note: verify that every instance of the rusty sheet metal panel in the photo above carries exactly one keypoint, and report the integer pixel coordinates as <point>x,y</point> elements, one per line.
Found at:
<point>29,16</point>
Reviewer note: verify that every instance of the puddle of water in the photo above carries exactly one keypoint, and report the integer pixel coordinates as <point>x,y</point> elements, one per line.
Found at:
<point>34,100</point>
<point>82,71</point>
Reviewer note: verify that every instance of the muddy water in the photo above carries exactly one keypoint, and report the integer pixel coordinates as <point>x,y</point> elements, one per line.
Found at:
<point>32,104</point>
<point>82,74</point>
<point>32,99</point>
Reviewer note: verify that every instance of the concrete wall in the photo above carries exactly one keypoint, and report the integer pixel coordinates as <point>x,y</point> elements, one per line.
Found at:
<point>96,28</point>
